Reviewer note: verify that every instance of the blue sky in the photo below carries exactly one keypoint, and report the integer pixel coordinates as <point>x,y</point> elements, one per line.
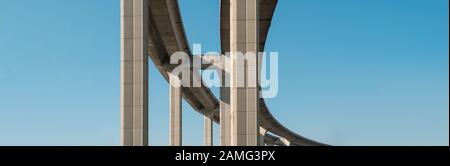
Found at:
<point>352,72</point>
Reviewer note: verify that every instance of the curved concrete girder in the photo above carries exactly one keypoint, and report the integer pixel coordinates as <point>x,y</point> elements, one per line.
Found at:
<point>167,36</point>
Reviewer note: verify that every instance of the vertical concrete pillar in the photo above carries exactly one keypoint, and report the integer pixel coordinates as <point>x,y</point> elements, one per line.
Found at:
<point>225,115</point>
<point>262,136</point>
<point>244,93</point>
<point>208,128</point>
<point>134,73</point>
<point>175,127</point>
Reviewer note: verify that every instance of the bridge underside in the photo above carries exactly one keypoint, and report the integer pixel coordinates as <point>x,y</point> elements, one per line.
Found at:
<point>154,28</point>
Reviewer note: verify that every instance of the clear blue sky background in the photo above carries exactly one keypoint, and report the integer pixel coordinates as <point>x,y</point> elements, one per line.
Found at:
<point>352,72</point>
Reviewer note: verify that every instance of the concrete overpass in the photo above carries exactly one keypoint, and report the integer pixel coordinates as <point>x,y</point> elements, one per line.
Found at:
<point>154,28</point>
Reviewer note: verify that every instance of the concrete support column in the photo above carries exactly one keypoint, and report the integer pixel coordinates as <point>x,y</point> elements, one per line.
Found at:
<point>208,128</point>
<point>134,73</point>
<point>175,137</point>
<point>244,92</point>
<point>225,114</point>
<point>262,136</point>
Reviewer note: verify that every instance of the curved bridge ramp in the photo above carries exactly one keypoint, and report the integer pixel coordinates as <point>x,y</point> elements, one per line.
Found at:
<point>166,36</point>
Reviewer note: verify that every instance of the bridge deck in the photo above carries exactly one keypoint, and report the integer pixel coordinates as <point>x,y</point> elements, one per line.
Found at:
<point>167,36</point>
